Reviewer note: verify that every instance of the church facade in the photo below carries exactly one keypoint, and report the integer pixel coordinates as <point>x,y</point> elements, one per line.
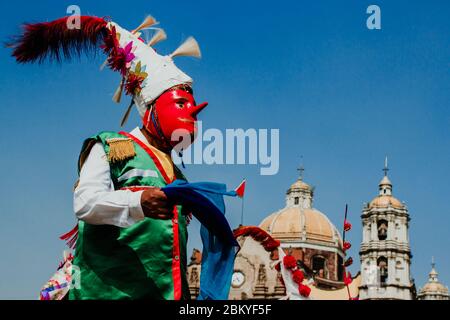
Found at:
<point>308,235</point>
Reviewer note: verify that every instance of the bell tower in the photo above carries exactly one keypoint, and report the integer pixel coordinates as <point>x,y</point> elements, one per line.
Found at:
<point>385,253</point>
<point>300,194</point>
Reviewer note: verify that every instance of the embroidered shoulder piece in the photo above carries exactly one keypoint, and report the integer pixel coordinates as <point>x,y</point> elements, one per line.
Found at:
<point>120,149</point>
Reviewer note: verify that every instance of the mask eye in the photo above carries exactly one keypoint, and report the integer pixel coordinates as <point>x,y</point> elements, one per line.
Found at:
<point>181,103</point>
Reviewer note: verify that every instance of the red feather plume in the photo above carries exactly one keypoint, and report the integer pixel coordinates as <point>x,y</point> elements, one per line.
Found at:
<point>55,41</point>
<point>259,235</point>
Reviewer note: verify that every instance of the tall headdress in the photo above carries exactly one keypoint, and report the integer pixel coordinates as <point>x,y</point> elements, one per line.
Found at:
<point>145,73</point>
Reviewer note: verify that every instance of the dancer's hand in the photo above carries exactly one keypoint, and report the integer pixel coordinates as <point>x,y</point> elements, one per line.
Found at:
<point>155,204</point>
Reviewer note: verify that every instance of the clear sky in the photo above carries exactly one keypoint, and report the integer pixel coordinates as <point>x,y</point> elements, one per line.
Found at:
<point>342,96</point>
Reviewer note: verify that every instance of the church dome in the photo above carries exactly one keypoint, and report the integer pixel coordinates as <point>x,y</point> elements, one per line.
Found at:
<point>299,221</point>
<point>385,198</point>
<point>433,288</point>
<point>302,224</point>
<point>383,201</point>
<point>299,184</point>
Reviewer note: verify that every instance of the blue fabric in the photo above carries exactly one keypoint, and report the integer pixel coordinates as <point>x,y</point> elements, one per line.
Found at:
<point>205,200</point>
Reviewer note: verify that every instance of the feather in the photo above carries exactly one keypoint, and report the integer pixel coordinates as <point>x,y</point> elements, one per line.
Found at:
<point>158,37</point>
<point>148,22</point>
<point>188,48</point>
<point>127,113</point>
<point>54,40</point>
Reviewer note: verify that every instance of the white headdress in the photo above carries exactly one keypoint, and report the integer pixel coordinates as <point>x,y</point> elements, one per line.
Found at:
<point>145,73</point>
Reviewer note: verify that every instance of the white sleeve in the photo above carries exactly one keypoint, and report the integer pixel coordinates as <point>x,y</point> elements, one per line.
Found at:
<point>96,201</point>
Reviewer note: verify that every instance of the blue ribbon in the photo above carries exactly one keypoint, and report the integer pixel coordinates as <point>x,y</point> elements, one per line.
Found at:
<point>205,200</point>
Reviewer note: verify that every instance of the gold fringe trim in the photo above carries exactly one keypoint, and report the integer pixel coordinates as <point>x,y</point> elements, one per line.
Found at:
<point>120,149</point>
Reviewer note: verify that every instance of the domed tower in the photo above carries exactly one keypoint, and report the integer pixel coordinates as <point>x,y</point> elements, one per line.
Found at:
<point>307,233</point>
<point>303,231</point>
<point>433,289</point>
<point>385,252</point>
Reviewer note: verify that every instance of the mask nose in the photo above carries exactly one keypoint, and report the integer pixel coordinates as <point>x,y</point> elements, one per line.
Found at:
<point>196,109</point>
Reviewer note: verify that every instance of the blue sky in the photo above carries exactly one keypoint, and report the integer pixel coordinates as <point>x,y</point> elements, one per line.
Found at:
<point>342,96</point>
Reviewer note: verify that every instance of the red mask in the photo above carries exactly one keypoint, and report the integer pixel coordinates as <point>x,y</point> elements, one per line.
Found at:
<point>173,110</point>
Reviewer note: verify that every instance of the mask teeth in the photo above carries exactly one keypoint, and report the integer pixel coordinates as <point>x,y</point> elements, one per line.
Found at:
<point>189,48</point>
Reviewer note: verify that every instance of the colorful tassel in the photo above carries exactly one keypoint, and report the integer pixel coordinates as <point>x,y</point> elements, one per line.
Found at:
<point>71,237</point>
<point>188,48</point>
<point>148,22</point>
<point>158,37</point>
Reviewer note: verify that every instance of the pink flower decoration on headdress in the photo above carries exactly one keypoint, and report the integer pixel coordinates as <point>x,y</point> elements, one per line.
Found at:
<point>121,60</point>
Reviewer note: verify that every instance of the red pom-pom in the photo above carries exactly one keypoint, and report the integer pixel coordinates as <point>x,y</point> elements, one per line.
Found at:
<point>347,226</point>
<point>289,262</point>
<point>347,278</point>
<point>298,276</point>
<point>348,262</point>
<point>304,290</point>
<point>347,245</point>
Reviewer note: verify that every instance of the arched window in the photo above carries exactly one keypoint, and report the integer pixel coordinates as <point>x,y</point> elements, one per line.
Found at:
<point>296,200</point>
<point>319,266</point>
<point>382,264</point>
<point>382,229</point>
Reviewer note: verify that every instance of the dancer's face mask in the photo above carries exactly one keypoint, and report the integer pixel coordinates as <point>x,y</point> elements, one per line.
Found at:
<point>174,117</point>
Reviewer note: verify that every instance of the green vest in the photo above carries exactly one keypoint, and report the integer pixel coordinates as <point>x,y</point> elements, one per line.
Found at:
<point>144,261</point>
